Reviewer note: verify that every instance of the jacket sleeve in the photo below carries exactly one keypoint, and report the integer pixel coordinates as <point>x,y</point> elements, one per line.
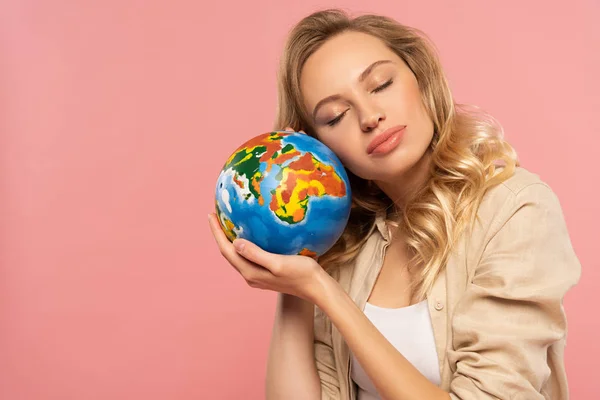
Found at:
<point>512,310</point>
<point>324,357</point>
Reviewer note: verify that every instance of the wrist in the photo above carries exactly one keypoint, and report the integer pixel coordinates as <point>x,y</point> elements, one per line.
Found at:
<point>325,284</point>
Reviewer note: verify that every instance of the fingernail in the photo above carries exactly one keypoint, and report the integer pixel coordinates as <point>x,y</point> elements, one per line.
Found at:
<point>239,246</point>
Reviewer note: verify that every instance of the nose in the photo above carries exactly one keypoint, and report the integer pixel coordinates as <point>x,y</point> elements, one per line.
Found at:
<point>371,118</point>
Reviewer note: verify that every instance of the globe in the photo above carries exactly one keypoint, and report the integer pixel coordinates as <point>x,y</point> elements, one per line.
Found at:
<point>286,192</point>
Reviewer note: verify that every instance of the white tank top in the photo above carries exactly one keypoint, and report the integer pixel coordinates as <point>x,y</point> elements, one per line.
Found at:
<point>409,330</point>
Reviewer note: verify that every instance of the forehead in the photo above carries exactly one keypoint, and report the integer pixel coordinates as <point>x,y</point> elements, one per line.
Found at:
<point>339,62</point>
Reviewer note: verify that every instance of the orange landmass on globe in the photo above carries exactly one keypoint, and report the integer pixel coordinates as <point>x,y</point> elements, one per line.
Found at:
<point>302,179</point>
<point>228,229</point>
<point>308,253</point>
<point>238,182</point>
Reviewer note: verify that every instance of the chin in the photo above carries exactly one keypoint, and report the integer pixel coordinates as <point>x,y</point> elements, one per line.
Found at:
<point>395,164</point>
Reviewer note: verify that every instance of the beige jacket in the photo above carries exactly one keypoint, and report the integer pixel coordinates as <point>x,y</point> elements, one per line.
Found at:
<point>496,309</point>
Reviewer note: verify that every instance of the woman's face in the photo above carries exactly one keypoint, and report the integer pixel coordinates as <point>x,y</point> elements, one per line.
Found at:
<point>373,90</point>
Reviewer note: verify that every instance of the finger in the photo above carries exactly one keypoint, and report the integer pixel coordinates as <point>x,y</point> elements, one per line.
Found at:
<point>225,246</point>
<point>253,253</point>
<point>290,129</point>
<point>249,270</point>
<point>215,227</point>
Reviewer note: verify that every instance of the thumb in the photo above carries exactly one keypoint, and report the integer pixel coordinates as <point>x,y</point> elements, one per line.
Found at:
<point>255,254</point>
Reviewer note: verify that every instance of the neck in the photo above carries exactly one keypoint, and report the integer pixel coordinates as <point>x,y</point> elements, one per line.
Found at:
<point>405,186</point>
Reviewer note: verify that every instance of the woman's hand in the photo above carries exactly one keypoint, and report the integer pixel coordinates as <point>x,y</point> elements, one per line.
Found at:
<point>290,129</point>
<point>300,276</point>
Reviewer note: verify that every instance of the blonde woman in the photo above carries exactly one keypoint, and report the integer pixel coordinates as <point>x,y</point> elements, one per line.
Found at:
<point>449,279</point>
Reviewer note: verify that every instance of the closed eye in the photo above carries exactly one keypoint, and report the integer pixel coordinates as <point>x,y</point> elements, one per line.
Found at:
<point>380,88</point>
<point>337,119</point>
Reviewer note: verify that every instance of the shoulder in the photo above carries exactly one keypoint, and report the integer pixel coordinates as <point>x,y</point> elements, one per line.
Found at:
<point>515,186</point>
<point>521,241</point>
<point>524,187</point>
<point>520,209</point>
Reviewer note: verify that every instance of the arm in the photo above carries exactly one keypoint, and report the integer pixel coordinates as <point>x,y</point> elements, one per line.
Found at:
<point>509,316</point>
<point>512,311</point>
<point>294,353</point>
<point>394,377</point>
<point>291,370</point>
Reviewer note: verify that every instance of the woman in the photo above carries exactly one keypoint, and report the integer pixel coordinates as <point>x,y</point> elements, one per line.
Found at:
<point>449,278</point>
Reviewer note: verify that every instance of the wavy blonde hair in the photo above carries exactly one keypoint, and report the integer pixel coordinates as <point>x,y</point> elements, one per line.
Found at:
<point>469,154</point>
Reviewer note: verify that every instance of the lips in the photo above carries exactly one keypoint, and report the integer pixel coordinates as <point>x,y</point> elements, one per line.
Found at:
<point>382,137</point>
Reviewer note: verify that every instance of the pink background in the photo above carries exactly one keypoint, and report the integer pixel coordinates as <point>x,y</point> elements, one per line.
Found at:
<point>116,117</point>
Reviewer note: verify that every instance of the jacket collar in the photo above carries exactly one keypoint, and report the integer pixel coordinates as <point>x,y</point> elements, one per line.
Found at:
<point>382,226</point>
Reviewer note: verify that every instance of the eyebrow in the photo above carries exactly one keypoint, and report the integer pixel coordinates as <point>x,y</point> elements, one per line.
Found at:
<point>361,78</point>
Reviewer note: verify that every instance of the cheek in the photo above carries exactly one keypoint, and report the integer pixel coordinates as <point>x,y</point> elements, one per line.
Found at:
<point>339,147</point>
<point>345,149</point>
<point>414,109</point>
<point>408,97</point>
